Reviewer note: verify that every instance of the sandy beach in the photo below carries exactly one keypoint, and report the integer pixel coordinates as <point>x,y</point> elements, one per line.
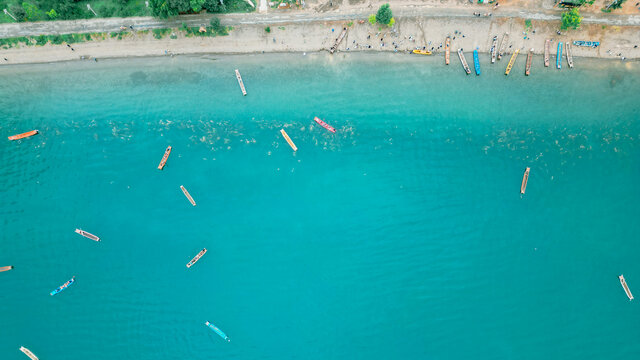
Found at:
<point>410,32</point>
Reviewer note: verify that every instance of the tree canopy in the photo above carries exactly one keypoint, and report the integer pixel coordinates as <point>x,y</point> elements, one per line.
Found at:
<point>571,19</point>
<point>384,14</point>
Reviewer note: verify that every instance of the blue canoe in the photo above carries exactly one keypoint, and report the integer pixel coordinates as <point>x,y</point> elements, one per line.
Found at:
<point>559,56</point>
<point>218,331</point>
<point>593,44</point>
<point>63,286</point>
<point>476,62</point>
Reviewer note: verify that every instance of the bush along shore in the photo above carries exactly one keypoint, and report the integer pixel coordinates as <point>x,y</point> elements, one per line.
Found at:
<point>214,29</point>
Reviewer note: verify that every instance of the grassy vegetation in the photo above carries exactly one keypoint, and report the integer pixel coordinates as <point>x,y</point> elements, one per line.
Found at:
<point>214,29</point>
<point>46,10</point>
<point>52,39</point>
<point>160,33</point>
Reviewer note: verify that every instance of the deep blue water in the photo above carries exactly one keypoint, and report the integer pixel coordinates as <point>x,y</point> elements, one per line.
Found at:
<point>402,236</point>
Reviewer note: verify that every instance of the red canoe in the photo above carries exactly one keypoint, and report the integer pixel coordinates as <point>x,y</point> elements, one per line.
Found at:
<point>324,124</point>
<point>23,135</point>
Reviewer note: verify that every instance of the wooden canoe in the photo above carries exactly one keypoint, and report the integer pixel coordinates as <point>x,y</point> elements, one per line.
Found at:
<point>494,49</point>
<point>547,43</point>
<point>23,135</point>
<point>623,282</point>
<point>525,179</point>
<point>463,61</point>
<point>503,45</point>
<point>527,68</point>
<point>5,268</point>
<point>28,352</point>
<point>186,193</point>
<point>87,235</point>
<point>447,49</point>
<point>286,137</point>
<point>241,83</point>
<point>512,61</point>
<point>324,124</point>
<point>163,162</point>
<point>569,56</point>
<point>196,258</point>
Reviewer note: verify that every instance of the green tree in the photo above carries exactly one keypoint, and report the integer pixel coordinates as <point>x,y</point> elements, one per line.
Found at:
<point>384,14</point>
<point>196,5</point>
<point>32,12</point>
<point>18,12</point>
<point>214,6</point>
<point>161,9</point>
<point>372,19</point>
<point>571,19</point>
<point>52,14</point>
<point>167,8</point>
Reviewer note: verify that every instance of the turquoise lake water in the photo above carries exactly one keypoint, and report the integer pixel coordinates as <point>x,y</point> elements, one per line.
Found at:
<point>401,236</point>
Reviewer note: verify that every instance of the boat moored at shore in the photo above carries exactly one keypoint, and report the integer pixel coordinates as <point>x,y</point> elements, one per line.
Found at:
<point>465,66</point>
<point>512,61</point>
<point>569,56</point>
<point>335,45</point>
<point>527,67</point>
<point>447,50</point>
<point>503,45</point>
<point>494,49</point>
<point>241,83</point>
<point>559,56</point>
<point>422,52</point>
<point>591,44</point>
<point>476,62</point>
<point>547,44</point>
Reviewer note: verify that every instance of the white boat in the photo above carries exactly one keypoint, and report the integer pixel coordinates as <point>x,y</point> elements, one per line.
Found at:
<point>87,235</point>
<point>186,193</point>
<point>623,282</point>
<point>196,258</point>
<point>240,82</point>
<point>28,352</point>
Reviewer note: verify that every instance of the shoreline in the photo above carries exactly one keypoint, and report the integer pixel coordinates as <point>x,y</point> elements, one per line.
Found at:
<point>408,34</point>
<point>238,60</point>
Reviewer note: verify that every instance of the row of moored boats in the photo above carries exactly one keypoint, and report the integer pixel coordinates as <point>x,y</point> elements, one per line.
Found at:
<point>497,52</point>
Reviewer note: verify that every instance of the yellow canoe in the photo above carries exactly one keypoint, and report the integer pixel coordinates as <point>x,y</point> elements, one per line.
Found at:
<point>422,52</point>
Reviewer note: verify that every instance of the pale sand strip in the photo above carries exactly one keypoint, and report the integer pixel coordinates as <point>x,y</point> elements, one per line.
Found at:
<point>315,36</point>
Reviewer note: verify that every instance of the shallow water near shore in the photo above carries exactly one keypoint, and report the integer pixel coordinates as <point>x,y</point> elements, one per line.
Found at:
<point>403,235</point>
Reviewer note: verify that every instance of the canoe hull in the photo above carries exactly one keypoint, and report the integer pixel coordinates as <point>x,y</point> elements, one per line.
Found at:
<point>324,124</point>
<point>23,135</point>
<point>525,179</point>
<point>63,287</point>
<point>165,157</point>
<point>196,258</point>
